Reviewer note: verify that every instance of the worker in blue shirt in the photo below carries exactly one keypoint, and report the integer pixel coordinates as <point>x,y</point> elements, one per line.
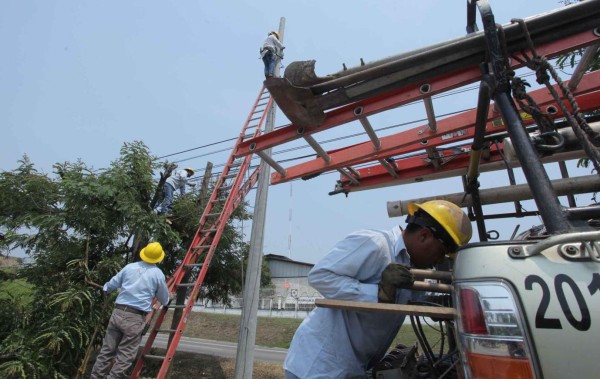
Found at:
<point>138,284</point>
<point>369,266</point>
<point>270,52</point>
<point>177,181</point>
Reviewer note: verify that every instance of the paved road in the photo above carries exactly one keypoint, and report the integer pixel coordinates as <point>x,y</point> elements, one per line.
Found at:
<point>220,348</point>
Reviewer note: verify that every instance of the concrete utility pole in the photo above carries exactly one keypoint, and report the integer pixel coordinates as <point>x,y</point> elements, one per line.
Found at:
<point>244,361</point>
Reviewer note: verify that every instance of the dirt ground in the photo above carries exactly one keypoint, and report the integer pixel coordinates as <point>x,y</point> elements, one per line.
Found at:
<point>194,366</point>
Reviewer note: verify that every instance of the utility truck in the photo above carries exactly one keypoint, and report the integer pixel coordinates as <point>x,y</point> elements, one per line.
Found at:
<point>523,307</point>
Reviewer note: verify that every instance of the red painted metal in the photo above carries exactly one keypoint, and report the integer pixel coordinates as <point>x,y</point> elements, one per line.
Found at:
<point>416,169</point>
<point>401,96</point>
<point>206,239</point>
<point>449,130</point>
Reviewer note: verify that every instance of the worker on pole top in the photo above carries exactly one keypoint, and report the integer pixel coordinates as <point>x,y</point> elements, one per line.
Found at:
<point>271,52</point>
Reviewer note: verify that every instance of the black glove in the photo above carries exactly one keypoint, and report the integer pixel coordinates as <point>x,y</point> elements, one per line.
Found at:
<point>394,276</point>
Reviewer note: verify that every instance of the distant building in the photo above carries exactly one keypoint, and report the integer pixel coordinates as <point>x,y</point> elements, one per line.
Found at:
<point>290,295</point>
<point>290,279</point>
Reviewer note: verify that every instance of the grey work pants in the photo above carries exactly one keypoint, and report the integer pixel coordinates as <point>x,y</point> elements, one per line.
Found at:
<point>122,339</point>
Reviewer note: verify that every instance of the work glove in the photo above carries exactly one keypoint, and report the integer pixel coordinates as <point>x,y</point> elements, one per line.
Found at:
<point>394,276</point>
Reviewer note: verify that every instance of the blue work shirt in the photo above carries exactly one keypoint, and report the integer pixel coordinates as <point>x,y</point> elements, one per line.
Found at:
<point>336,343</point>
<point>178,181</point>
<point>139,283</point>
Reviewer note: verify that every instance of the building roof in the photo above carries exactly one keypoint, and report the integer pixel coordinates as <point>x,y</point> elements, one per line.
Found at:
<point>275,257</point>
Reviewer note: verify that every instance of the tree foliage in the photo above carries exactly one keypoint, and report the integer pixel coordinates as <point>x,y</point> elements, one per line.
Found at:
<point>77,224</point>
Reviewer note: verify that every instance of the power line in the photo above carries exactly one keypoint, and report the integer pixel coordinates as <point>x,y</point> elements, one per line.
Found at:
<point>446,94</point>
<point>196,148</point>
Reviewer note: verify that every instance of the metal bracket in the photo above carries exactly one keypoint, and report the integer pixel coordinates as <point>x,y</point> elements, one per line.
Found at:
<point>573,246</point>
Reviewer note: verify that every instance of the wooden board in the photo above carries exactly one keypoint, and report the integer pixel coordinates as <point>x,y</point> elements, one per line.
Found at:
<point>415,310</point>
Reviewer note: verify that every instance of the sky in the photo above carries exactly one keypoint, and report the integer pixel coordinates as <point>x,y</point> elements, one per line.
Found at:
<point>78,79</point>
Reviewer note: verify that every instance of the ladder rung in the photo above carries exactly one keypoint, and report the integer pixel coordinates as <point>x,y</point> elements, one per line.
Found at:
<point>193,264</point>
<point>248,136</point>
<point>389,168</point>
<point>230,176</point>
<point>149,356</point>
<point>177,306</point>
<point>347,175</point>
<point>212,214</point>
<point>166,330</point>
<point>271,162</point>
<point>186,284</point>
<point>209,231</point>
<point>353,172</point>
<point>200,247</point>
<point>251,126</point>
<point>235,164</point>
<point>315,145</point>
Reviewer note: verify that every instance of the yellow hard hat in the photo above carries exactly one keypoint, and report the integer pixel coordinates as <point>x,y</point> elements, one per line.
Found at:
<point>189,170</point>
<point>152,253</point>
<point>275,33</point>
<point>450,217</point>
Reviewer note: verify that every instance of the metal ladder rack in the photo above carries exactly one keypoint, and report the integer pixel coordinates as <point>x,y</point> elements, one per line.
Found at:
<point>425,138</point>
<point>437,149</point>
<point>229,191</point>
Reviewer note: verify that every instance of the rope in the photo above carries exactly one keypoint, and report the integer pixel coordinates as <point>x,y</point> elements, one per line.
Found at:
<point>580,127</point>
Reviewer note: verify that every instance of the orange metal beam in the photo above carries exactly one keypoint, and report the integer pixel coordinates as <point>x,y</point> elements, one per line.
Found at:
<point>400,97</point>
<point>416,169</point>
<point>450,130</point>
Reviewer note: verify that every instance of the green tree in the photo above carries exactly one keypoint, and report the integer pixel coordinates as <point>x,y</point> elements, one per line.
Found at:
<point>78,226</point>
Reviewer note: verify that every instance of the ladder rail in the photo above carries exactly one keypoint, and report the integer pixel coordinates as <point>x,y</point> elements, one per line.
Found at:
<point>450,130</point>
<point>215,194</point>
<point>412,167</point>
<point>172,348</point>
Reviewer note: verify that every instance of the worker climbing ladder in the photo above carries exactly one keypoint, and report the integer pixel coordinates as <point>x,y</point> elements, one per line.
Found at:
<point>229,192</point>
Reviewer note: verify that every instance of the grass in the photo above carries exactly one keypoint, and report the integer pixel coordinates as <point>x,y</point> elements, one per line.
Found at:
<point>13,288</point>
<point>270,332</point>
